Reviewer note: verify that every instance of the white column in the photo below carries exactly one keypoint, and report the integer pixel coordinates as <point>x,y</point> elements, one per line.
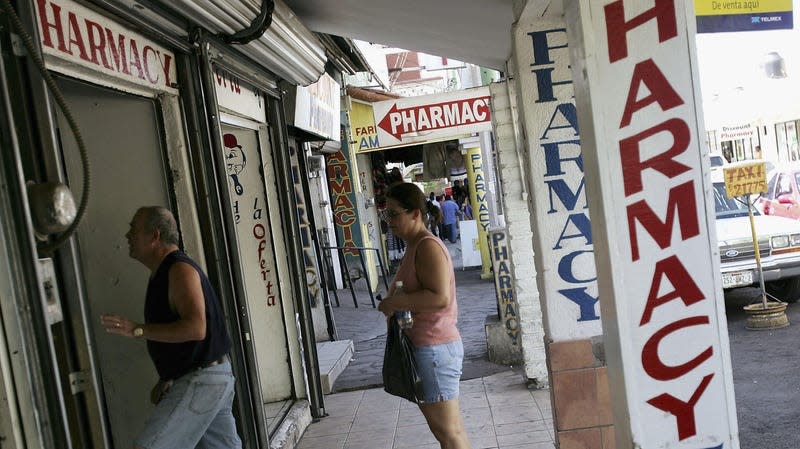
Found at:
<point>636,86</point>
<point>558,201</point>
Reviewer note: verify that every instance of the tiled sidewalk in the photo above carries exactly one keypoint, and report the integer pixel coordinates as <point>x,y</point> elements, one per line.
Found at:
<point>499,412</point>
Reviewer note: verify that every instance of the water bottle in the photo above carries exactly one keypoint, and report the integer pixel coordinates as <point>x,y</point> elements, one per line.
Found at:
<point>403,317</point>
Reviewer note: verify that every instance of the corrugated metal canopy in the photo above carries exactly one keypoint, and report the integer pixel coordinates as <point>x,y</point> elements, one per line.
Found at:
<point>287,48</point>
<point>475,31</point>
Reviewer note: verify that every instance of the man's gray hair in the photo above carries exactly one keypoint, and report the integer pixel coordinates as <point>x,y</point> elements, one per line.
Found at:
<point>157,218</point>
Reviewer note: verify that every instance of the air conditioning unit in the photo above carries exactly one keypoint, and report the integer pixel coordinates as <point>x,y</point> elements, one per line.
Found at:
<point>316,163</point>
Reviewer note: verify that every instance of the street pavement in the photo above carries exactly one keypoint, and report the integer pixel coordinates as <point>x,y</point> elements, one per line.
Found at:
<point>499,412</point>
<point>766,369</point>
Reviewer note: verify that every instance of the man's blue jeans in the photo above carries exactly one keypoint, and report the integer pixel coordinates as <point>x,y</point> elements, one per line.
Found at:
<point>452,232</point>
<point>194,413</point>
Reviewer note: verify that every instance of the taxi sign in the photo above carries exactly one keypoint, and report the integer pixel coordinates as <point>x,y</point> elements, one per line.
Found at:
<point>745,177</point>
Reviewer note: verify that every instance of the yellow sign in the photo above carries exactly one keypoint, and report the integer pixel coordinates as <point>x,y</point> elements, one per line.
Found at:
<point>362,127</point>
<point>744,178</point>
<point>728,7</point>
<point>480,206</point>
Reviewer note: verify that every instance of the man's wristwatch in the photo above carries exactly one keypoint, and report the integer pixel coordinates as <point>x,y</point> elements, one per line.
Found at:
<point>138,331</point>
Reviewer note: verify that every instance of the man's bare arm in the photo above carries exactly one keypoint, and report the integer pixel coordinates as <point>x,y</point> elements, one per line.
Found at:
<point>185,298</point>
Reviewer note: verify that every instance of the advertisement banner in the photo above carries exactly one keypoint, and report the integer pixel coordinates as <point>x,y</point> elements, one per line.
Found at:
<point>723,16</point>
<point>239,97</point>
<point>507,308</point>
<point>317,108</point>
<point>253,219</point>
<point>341,183</point>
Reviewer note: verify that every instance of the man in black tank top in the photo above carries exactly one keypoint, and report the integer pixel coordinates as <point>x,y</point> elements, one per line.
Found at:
<point>187,341</point>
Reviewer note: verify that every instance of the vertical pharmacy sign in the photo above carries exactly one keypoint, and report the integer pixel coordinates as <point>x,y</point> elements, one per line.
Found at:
<point>658,273</point>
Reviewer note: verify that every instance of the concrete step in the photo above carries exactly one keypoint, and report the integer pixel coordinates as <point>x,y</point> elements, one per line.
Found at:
<point>334,356</point>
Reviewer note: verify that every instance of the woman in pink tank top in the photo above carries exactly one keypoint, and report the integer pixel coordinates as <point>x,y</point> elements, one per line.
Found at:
<point>429,292</point>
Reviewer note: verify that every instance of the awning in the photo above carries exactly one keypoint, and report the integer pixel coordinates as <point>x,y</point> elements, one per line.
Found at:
<point>287,48</point>
<point>475,31</point>
<point>370,95</point>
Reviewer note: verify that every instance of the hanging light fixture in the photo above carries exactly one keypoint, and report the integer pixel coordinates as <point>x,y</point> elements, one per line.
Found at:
<point>774,65</point>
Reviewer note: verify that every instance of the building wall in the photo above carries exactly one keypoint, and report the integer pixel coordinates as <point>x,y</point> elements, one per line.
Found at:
<point>581,395</point>
<point>558,200</point>
<point>555,203</point>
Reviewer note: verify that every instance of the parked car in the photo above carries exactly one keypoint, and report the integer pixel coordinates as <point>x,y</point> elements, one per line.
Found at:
<point>716,160</point>
<point>783,195</point>
<point>778,243</point>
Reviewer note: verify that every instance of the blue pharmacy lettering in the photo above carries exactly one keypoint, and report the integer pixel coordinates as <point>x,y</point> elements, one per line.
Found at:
<point>584,301</point>
<point>541,48</point>
<point>553,159</point>
<point>541,56</point>
<point>567,262</point>
<point>564,193</point>
<point>500,251</point>
<point>567,111</point>
<point>581,221</point>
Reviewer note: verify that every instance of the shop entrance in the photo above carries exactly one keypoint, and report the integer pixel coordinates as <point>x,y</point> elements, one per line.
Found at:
<point>247,150</point>
<point>122,136</point>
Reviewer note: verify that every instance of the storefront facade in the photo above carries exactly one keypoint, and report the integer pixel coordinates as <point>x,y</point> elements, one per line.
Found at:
<point>170,113</point>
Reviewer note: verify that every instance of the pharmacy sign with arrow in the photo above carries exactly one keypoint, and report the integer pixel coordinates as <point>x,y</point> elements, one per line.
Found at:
<point>433,117</point>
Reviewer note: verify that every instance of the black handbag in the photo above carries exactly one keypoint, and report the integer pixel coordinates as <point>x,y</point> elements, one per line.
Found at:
<point>400,375</point>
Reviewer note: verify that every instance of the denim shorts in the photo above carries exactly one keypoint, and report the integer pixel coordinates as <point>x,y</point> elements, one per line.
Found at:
<point>194,413</point>
<point>440,369</point>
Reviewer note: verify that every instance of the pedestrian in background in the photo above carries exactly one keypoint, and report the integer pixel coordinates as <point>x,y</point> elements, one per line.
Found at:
<point>459,191</point>
<point>466,210</point>
<point>434,199</point>
<point>449,218</point>
<point>187,341</point>
<point>434,218</point>
<point>439,200</point>
<point>429,292</point>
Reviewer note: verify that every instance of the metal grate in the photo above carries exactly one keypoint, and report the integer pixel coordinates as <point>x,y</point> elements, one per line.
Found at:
<point>742,251</point>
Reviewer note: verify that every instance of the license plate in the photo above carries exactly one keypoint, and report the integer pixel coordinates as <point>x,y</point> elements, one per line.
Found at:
<point>737,279</point>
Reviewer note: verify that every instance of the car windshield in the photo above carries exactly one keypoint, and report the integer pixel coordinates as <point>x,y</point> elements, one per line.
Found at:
<point>728,207</point>
<point>716,161</point>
